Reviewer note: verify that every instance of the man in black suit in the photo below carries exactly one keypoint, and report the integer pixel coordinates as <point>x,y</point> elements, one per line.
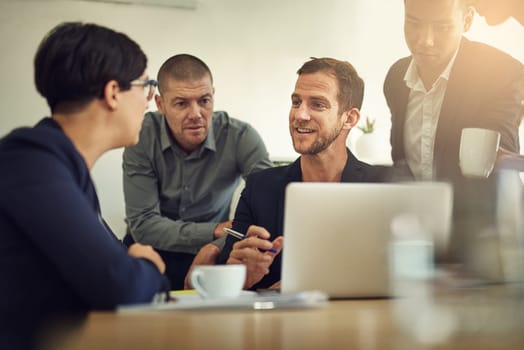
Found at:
<point>447,84</point>
<point>325,105</point>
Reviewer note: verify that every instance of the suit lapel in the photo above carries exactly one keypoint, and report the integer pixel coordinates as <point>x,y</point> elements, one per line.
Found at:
<point>293,173</point>
<point>403,95</point>
<point>400,101</point>
<point>353,171</point>
<point>447,136</point>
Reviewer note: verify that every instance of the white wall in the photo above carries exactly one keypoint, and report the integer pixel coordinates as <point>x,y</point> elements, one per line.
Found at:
<point>253,48</point>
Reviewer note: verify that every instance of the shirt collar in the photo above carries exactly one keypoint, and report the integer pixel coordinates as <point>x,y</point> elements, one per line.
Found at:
<point>210,141</point>
<point>165,138</point>
<point>412,78</point>
<point>352,169</point>
<point>166,142</point>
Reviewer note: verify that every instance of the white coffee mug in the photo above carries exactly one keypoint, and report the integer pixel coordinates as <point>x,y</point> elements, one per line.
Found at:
<point>218,281</point>
<point>478,151</point>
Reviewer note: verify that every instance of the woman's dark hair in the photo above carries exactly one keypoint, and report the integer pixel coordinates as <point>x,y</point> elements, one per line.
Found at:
<point>76,60</point>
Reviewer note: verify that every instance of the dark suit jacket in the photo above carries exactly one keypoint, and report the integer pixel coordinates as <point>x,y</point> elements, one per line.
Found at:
<point>262,202</point>
<point>485,90</point>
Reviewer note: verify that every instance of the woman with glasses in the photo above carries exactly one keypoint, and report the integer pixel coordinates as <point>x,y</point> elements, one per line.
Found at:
<point>58,257</point>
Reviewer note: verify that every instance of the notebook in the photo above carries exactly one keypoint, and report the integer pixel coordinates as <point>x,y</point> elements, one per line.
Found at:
<point>337,235</point>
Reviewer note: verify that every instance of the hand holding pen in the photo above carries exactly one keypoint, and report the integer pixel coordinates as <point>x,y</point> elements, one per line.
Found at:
<point>240,236</point>
<point>255,251</point>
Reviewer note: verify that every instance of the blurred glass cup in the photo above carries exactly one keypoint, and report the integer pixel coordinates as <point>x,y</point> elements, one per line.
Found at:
<point>478,151</point>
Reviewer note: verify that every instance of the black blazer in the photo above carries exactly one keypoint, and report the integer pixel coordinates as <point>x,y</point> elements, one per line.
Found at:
<point>262,202</point>
<point>485,90</point>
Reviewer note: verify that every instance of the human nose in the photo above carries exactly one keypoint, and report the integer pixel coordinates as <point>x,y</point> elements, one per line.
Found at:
<point>195,110</point>
<point>427,35</point>
<point>302,113</point>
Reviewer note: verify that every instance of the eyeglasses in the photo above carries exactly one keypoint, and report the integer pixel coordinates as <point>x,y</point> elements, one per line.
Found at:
<point>148,85</point>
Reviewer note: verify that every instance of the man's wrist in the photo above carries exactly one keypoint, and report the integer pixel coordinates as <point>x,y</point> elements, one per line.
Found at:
<point>219,242</point>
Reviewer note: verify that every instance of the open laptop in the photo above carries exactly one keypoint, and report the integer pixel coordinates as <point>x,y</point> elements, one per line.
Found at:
<point>337,235</point>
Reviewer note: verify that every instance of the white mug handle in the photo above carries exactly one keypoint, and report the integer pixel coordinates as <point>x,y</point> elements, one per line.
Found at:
<point>195,282</point>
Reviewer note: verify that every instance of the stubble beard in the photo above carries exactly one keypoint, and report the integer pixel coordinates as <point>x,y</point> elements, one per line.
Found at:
<point>323,143</point>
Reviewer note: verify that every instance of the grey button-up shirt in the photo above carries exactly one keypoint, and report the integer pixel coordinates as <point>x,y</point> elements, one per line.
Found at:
<point>175,200</point>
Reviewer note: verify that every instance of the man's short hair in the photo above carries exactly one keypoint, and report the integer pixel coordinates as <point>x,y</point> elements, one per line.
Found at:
<point>463,3</point>
<point>75,61</point>
<point>183,67</point>
<point>350,85</point>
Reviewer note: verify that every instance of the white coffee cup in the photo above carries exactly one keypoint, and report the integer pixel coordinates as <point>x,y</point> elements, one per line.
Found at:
<point>478,151</point>
<point>218,281</point>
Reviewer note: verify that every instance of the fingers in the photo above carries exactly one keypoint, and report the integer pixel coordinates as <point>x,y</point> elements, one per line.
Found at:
<point>157,260</point>
<point>219,228</point>
<point>275,285</point>
<point>262,245</point>
<point>187,283</point>
<point>257,264</point>
<point>251,252</point>
<point>258,231</point>
<point>278,244</point>
<point>253,242</point>
<point>147,252</point>
<point>140,250</point>
<point>250,256</point>
<point>256,252</point>
<point>207,255</point>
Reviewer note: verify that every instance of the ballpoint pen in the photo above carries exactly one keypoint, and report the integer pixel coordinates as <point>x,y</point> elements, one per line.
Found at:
<point>239,235</point>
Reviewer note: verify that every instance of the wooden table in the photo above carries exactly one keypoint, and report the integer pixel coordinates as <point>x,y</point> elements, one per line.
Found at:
<point>479,318</point>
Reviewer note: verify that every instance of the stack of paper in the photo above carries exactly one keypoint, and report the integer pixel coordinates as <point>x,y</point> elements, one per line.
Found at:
<point>247,300</point>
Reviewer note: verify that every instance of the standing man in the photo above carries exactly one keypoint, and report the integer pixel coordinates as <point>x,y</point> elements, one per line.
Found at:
<point>179,179</point>
<point>449,83</point>
<point>325,105</point>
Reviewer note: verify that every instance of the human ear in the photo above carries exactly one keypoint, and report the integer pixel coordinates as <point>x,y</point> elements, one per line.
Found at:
<point>159,104</point>
<point>111,91</point>
<point>352,117</point>
<point>468,18</point>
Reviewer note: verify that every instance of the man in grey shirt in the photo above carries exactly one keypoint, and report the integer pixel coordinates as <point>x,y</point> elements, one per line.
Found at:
<point>180,178</point>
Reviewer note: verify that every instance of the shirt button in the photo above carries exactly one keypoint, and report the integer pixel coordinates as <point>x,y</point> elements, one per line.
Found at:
<point>183,209</point>
<point>186,188</point>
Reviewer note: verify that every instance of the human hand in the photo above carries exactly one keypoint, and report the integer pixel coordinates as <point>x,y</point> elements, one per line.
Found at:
<point>253,251</point>
<point>509,160</point>
<point>147,252</point>
<point>275,285</point>
<point>207,255</point>
<point>219,229</point>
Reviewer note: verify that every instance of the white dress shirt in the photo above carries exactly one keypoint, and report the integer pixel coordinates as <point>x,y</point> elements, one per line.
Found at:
<point>422,115</point>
